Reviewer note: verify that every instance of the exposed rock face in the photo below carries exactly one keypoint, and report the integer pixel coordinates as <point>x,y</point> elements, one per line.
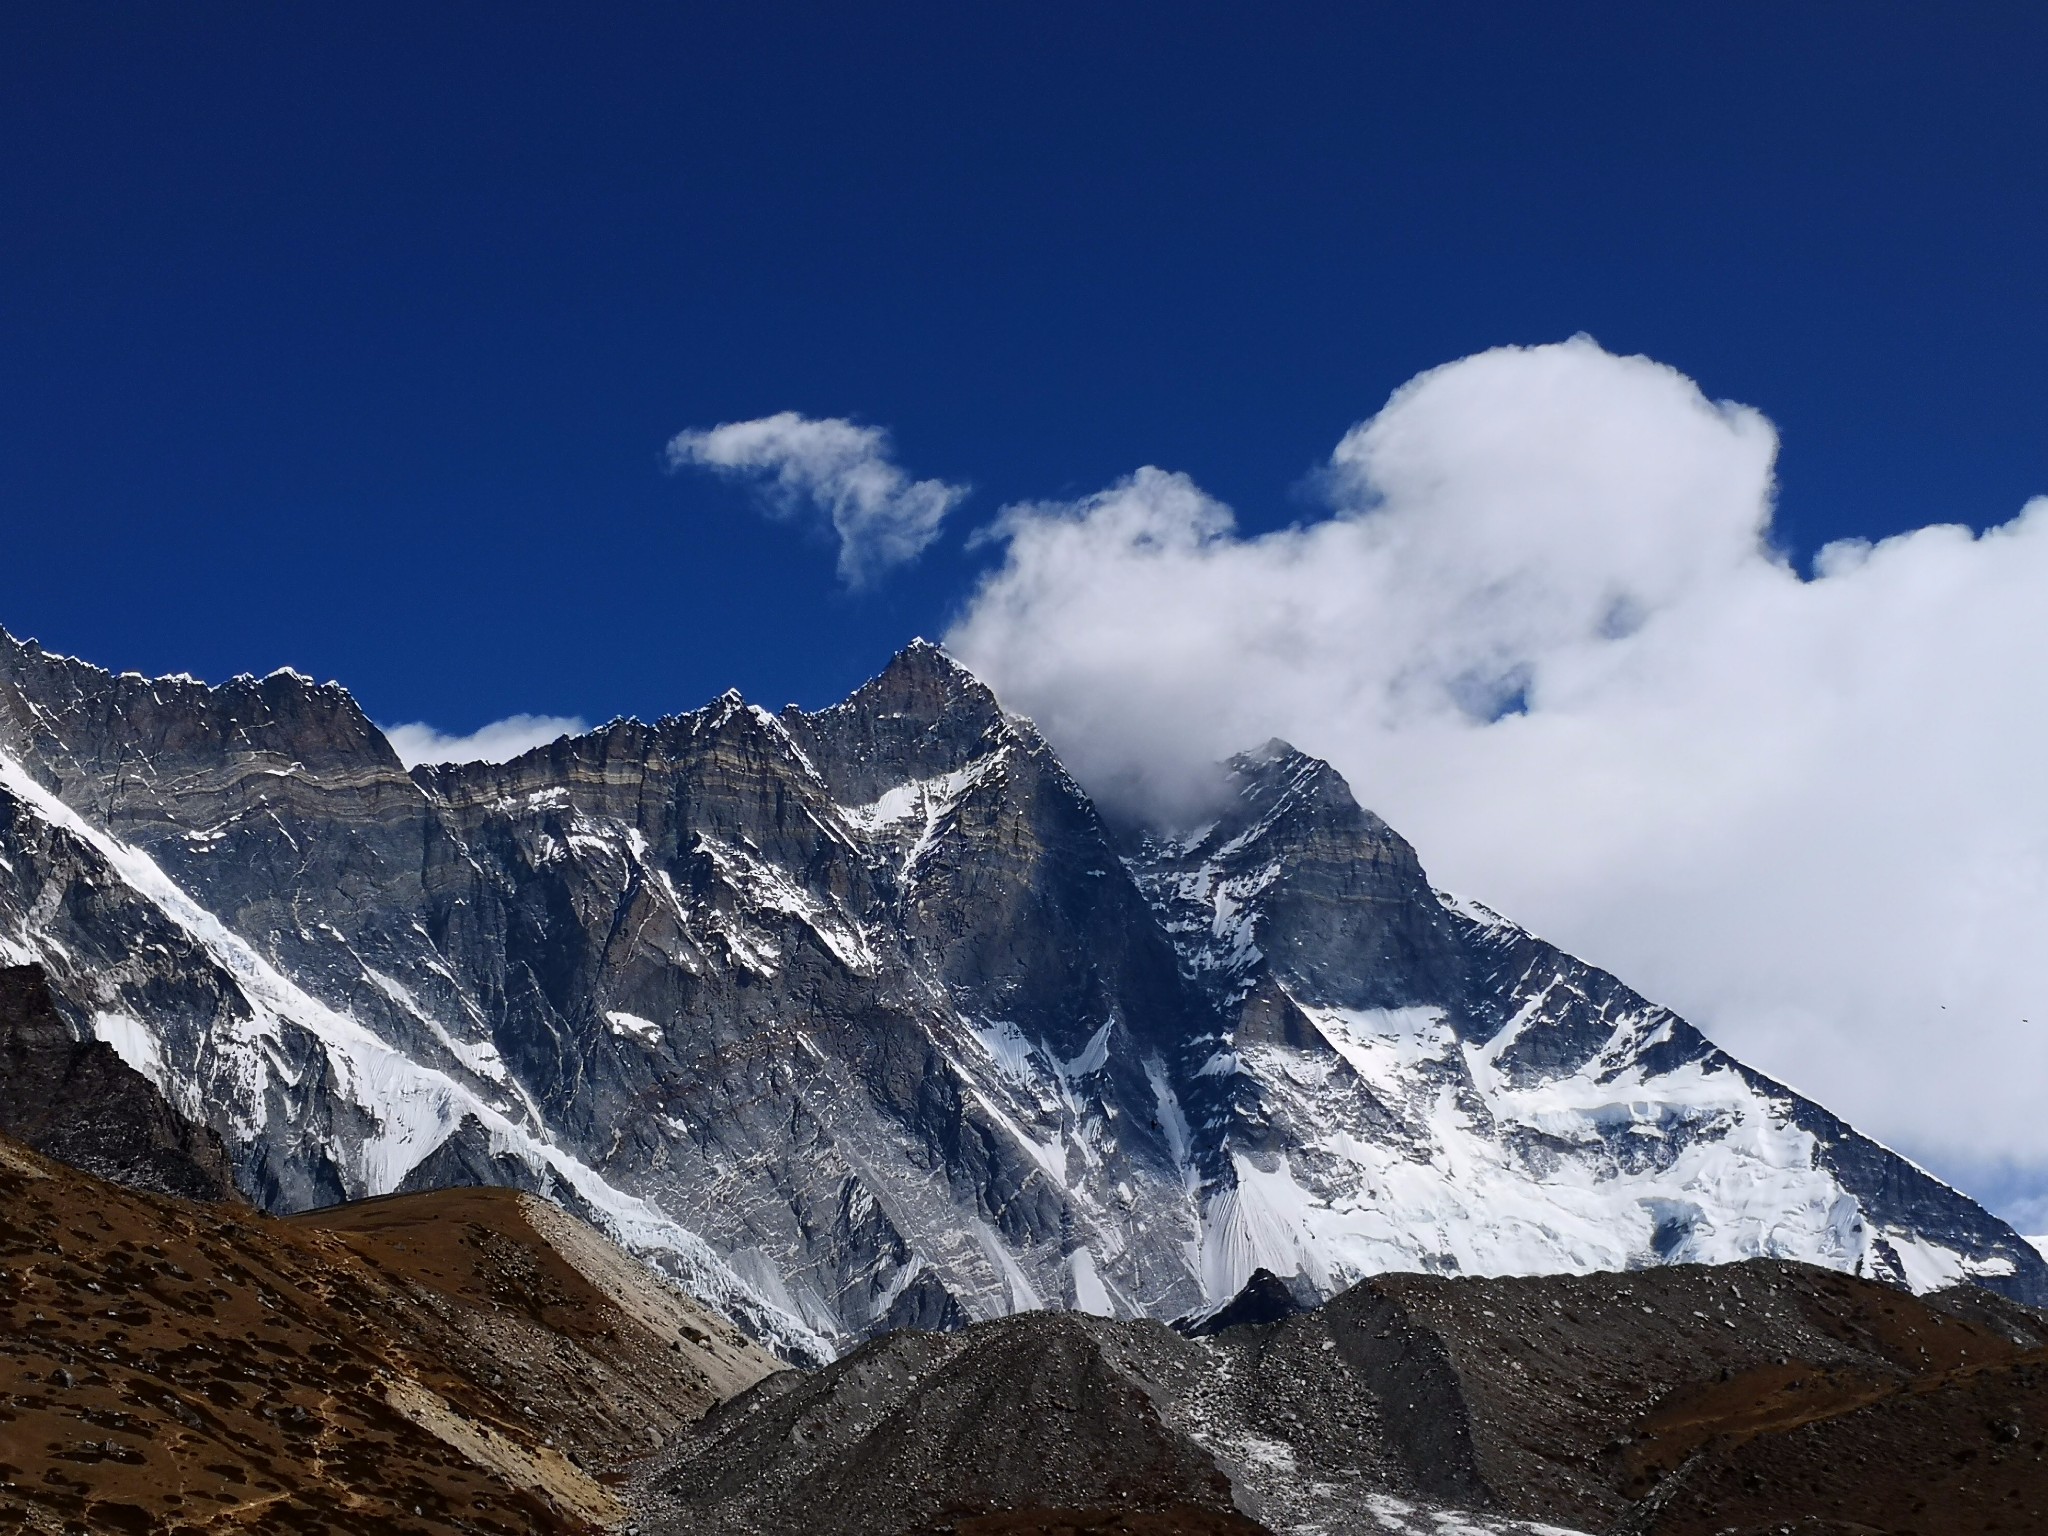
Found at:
<point>863,1019</point>
<point>1266,1298</point>
<point>79,1102</point>
<point>1741,1397</point>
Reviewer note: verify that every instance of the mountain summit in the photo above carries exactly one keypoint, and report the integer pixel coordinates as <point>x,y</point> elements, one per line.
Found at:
<point>864,1018</point>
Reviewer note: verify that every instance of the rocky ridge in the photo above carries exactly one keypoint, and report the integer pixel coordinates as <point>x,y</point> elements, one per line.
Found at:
<point>1749,1397</point>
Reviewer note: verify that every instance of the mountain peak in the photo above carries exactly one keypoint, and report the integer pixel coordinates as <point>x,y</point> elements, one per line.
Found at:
<point>923,714</point>
<point>1312,885</point>
<point>1274,749</point>
<point>927,660</point>
<point>796,1013</point>
<point>1278,776</point>
<point>924,684</point>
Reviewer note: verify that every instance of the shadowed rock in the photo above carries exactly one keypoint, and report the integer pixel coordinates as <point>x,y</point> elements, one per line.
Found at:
<point>79,1102</point>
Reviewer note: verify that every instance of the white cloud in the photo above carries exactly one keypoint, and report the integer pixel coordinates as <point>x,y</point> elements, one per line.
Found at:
<point>1545,635</point>
<point>498,742</point>
<point>883,518</point>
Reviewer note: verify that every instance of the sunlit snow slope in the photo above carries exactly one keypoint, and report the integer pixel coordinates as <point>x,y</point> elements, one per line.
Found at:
<point>1416,1083</point>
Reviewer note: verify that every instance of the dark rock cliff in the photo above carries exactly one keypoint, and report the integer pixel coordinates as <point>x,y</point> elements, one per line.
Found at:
<point>79,1102</point>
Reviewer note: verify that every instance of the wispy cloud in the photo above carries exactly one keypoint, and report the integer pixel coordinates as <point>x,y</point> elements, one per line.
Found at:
<point>498,742</point>
<point>1545,633</point>
<point>833,467</point>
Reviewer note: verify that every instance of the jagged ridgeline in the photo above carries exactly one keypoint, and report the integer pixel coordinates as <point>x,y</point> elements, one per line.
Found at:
<point>865,1018</point>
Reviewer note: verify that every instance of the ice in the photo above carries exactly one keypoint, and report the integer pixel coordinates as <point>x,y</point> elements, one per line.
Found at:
<point>481,1057</point>
<point>630,1026</point>
<point>134,1044</point>
<point>1274,1455</point>
<point>1399,1517</point>
<point>1006,1047</point>
<point>1090,1295</point>
<point>762,887</point>
<point>1262,1219</point>
<point>918,808</point>
<point>1173,1123</point>
<point>1478,1176</point>
<point>1051,1156</point>
<point>1384,1044</point>
<point>1021,1295</point>
<point>1094,1056</point>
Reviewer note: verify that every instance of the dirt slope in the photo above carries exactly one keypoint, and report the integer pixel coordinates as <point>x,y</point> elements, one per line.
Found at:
<point>454,1361</point>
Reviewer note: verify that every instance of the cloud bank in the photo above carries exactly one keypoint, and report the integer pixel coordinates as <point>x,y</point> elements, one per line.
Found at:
<point>498,742</point>
<point>831,466</point>
<point>1545,633</point>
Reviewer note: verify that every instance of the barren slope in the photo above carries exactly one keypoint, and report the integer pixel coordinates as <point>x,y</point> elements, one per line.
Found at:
<point>1690,1400</point>
<point>441,1362</point>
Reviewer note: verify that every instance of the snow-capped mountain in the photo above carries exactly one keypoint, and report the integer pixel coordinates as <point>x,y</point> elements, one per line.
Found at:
<point>1414,1083</point>
<point>865,1018</point>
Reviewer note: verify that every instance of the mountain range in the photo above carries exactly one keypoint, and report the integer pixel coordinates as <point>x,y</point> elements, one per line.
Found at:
<point>476,1360</point>
<point>868,1018</point>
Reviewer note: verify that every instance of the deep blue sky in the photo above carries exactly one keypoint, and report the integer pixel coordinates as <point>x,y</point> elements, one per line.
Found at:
<point>349,336</point>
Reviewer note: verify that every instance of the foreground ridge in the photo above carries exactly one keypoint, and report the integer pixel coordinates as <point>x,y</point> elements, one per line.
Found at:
<point>459,1360</point>
<point>1685,1400</point>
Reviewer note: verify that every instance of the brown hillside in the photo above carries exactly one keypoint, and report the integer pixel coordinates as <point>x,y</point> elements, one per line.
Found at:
<point>465,1360</point>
